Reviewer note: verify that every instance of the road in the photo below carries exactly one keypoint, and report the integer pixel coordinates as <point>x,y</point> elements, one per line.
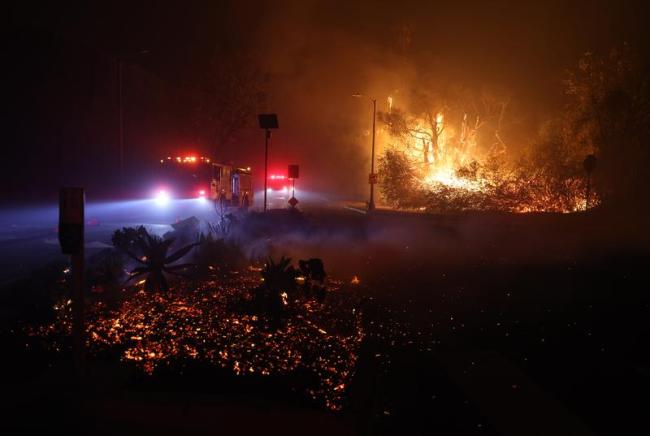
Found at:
<point>28,235</point>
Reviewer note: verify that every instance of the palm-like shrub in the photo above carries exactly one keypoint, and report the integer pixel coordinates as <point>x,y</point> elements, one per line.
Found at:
<point>279,284</point>
<point>155,262</point>
<point>279,276</point>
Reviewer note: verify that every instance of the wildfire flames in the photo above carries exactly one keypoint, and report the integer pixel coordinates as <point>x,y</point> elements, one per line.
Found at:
<point>448,168</point>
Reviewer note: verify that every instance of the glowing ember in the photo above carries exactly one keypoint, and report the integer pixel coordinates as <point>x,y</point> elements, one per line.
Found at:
<point>153,330</point>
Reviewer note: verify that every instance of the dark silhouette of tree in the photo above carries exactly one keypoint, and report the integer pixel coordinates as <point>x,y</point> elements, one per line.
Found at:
<point>226,98</point>
<point>397,179</point>
<point>608,113</point>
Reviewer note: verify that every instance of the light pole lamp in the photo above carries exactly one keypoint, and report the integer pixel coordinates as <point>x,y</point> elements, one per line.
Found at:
<point>267,122</point>
<point>372,179</point>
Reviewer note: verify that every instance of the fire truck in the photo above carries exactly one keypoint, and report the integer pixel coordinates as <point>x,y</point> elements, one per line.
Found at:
<point>200,178</point>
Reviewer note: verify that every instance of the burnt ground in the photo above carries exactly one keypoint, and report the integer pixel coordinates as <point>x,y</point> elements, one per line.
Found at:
<point>477,324</point>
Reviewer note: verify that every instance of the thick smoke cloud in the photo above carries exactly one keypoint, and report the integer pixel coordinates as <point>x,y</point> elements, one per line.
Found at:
<point>317,54</point>
<point>62,78</point>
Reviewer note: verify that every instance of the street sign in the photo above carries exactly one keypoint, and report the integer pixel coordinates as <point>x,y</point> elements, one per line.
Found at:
<point>71,220</point>
<point>294,172</point>
<point>293,201</point>
<point>372,178</point>
<point>268,121</point>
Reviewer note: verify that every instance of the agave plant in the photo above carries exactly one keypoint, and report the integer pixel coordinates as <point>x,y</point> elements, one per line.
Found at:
<point>279,276</point>
<point>156,262</point>
<point>272,297</point>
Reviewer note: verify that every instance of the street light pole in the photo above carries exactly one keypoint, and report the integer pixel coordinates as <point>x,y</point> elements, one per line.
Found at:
<point>267,122</point>
<point>371,204</point>
<point>372,178</point>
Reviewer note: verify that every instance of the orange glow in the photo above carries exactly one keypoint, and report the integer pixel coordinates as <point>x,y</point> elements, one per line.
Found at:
<point>156,330</point>
<point>439,152</point>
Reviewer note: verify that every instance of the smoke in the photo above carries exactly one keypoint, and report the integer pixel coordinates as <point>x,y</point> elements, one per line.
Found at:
<point>318,54</point>
<point>388,243</point>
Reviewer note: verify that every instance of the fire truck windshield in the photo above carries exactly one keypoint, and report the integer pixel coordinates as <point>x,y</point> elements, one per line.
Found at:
<point>186,177</point>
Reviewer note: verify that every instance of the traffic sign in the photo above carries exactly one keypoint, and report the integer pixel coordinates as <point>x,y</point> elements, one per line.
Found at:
<point>294,172</point>
<point>268,121</point>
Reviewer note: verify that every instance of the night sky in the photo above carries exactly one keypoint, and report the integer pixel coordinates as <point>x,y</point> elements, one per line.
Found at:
<point>60,87</point>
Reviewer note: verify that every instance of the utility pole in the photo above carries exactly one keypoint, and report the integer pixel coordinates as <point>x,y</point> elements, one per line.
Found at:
<point>373,180</point>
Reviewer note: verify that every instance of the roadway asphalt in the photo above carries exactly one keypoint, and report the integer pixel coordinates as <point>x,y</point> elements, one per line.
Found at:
<point>29,239</point>
<point>28,234</point>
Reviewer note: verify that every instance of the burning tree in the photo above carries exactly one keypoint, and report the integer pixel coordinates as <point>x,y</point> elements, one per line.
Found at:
<point>452,153</point>
<point>434,164</point>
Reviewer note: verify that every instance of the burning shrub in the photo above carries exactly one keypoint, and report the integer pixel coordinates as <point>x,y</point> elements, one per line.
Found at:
<point>449,151</point>
<point>492,186</point>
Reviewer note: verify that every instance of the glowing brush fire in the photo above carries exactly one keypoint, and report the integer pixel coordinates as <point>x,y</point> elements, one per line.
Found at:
<point>444,167</point>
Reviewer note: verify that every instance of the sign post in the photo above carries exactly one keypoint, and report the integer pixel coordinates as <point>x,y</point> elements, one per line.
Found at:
<point>267,122</point>
<point>71,237</point>
<point>294,173</point>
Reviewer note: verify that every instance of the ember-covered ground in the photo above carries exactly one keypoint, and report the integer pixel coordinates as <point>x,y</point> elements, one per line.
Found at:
<point>473,324</point>
<point>204,323</point>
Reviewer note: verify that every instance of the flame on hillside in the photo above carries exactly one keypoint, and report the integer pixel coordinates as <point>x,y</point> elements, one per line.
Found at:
<point>449,169</point>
